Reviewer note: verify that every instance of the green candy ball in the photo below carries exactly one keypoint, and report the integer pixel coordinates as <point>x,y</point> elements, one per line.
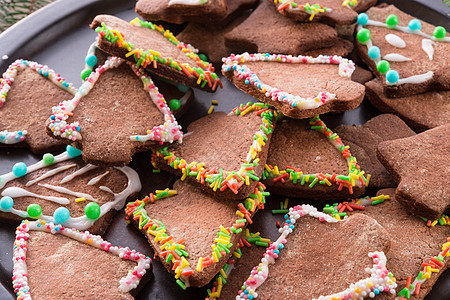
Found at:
<point>92,211</point>
<point>48,159</point>
<point>383,66</point>
<point>174,104</point>
<point>439,32</point>
<point>203,57</point>
<point>391,20</point>
<point>363,36</point>
<point>85,74</point>
<point>34,211</point>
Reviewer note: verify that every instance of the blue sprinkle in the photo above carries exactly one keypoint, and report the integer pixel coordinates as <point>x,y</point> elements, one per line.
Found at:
<point>374,52</point>
<point>286,216</point>
<point>6,203</point>
<point>288,221</point>
<point>392,76</point>
<point>73,152</point>
<point>19,169</point>
<point>291,226</point>
<point>415,24</point>
<point>294,104</point>
<point>277,251</point>
<point>52,117</point>
<point>280,246</point>
<point>78,128</point>
<point>247,82</point>
<point>91,60</point>
<point>363,18</point>
<point>376,291</point>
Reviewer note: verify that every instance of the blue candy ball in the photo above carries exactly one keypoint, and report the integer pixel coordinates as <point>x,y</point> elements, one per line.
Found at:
<point>415,24</point>
<point>362,19</point>
<point>61,215</point>
<point>392,76</point>
<point>182,88</point>
<point>73,152</point>
<point>374,52</point>
<point>19,169</point>
<point>91,60</point>
<point>6,203</point>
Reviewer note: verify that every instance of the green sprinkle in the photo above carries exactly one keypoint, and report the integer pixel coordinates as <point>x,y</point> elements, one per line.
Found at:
<point>280,211</point>
<point>314,182</point>
<point>263,244</point>
<point>169,258</point>
<point>377,202</point>
<point>181,284</point>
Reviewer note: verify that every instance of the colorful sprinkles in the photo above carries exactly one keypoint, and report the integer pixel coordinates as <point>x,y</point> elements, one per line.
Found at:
<point>443,220</point>
<point>20,278</point>
<point>338,211</point>
<point>312,10</point>
<point>236,64</point>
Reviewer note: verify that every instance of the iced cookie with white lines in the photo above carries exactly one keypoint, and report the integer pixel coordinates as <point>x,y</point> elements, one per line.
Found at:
<point>64,189</point>
<point>28,90</point>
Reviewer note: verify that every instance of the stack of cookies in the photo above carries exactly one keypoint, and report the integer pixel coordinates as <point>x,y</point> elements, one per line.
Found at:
<point>350,188</point>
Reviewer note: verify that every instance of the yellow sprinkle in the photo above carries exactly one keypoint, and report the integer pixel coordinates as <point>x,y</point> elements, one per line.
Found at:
<point>264,240</point>
<point>184,176</point>
<point>255,235</point>
<point>199,264</point>
<point>214,102</point>
<point>184,262</point>
<point>237,255</point>
<point>89,241</point>
<point>224,230</point>
<point>434,223</point>
<point>247,180</point>
<point>222,272</point>
<point>276,171</point>
<point>249,109</point>
<point>327,182</point>
<point>286,201</point>
<point>80,199</point>
<point>214,255</point>
<point>239,214</point>
<point>151,232</point>
<point>131,52</point>
<point>155,53</point>
<point>134,21</point>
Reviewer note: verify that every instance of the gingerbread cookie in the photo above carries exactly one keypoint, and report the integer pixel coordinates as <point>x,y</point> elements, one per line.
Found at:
<point>361,75</point>
<point>363,140</point>
<point>419,164</point>
<point>196,249</point>
<point>308,160</point>
<point>332,12</point>
<point>156,49</point>
<point>142,119</point>
<point>223,154</point>
<point>55,262</point>
<point>64,189</point>
<point>28,90</point>
<point>407,55</point>
<point>421,112</point>
<point>273,78</point>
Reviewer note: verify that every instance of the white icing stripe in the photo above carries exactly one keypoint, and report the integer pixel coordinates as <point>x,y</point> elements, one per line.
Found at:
<point>50,173</point>
<point>63,190</point>
<point>416,78</point>
<point>396,57</point>
<point>106,189</point>
<point>395,40</point>
<point>428,47</point>
<point>81,171</point>
<point>187,2</point>
<point>183,100</point>
<point>97,178</point>
<point>17,192</point>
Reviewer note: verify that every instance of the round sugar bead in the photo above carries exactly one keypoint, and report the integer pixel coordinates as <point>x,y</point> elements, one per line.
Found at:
<point>6,203</point>
<point>61,215</point>
<point>73,152</point>
<point>203,57</point>
<point>392,76</point>
<point>439,32</point>
<point>92,211</point>
<point>363,36</point>
<point>34,211</point>
<point>19,169</point>
<point>182,88</point>
<point>91,60</point>
<point>362,19</point>
<point>174,104</point>
<point>391,21</point>
<point>415,24</point>
<point>383,66</point>
<point>374,52</point>
<point>85,74</point>
<point>48,159</point>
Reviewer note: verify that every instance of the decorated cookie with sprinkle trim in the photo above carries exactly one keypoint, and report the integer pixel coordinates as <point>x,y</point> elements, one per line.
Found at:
<point>117,111</point>
<point>28,90</point>
<point>197,248</point>
<point>152,47</point>
<point>64,189</point>
<point>223,154</point>
<point>407,55</point>
<point>55,262</point>
<point>299,86</point>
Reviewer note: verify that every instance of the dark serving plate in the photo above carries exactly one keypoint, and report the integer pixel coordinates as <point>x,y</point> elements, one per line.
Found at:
<point>59,37</point>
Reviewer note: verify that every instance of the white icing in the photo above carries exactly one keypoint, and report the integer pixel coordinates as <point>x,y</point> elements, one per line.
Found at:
<point>187,2</point>
<point>81,171</point>
<point>97,178</point>
<point>428,47</point>
<point>396,57</point>
<point>63,190</point>
<point>395,40</point>
<point>417,78</point>
<point>17,192</point>
<point>50,173</point>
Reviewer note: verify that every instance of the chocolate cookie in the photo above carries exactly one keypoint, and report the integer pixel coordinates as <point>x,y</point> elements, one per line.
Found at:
<point>325,83</point>
<point>332,12</point>
<point>223,154</point>
<point>363,140</point>
<point>308,160</point>
<point>54,262</point>
<point>361,75</point>
<point>408,56</point>
<point>156,49</point>
<point>421,112</point>
<point>135,123</point>
<point>64,189</point>
<point>198,247</point>
<point>420,164</point>
<point>28,90</point>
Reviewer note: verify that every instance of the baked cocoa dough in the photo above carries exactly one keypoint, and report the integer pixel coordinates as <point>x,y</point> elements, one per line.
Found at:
<point>295,144</point>
<point>361,75</point>
<point>220,141</point>
<point>363,141</point>
<point>184,216</point>
<point>267,31</point>
<point>420,166</point>
<point>420,63</point>
<point>421,112</point>
<point>315,78</point>
<point>147,39</point>
<point>116,180</point>
<point>337,15</point>
<point>412,242</point>
<point>28,105</point>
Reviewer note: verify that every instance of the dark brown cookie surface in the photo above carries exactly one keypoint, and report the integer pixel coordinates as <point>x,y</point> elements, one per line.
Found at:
<point>420,165</point>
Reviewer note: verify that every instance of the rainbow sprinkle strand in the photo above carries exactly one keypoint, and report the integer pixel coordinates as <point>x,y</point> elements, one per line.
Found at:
<point>204,72</point>
<point>222,179</point>
<point>443,220</point>
<point>338,210</point>
<point>174,252</point>
<point>355,176</point>
<point>349,3</point>
<point>236,64</point>
<point>308,8</point>
<point>20,278</point>
<point>380,279</point>
<point>13,137</point>
<point>168,132</point>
